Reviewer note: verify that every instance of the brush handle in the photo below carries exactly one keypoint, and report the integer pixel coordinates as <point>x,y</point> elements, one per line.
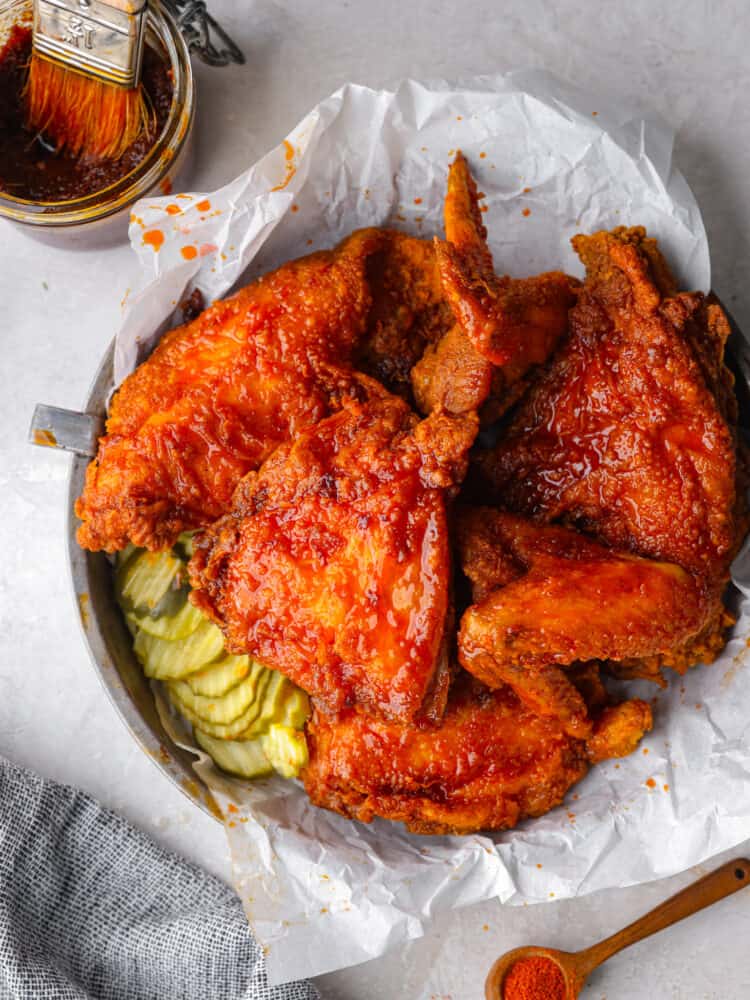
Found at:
<point>725,881</point>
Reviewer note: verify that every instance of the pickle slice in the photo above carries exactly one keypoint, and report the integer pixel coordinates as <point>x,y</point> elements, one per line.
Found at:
<point>243,758</point>
<point>219,677</point>
<point>227,707</point>
<point>183,547</point>
<point>220,730</point>
<point>179,625</point>
<point>286,749</point>
<point>165,660</point>
<point>279,688</point>
<point>143,580</point>
<point>296,710</point>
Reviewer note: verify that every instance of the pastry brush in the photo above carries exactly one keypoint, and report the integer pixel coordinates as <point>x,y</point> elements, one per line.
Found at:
<point>83,91</point>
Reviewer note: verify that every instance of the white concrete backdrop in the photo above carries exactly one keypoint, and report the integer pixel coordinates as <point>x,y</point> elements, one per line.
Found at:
<point>688,62</point>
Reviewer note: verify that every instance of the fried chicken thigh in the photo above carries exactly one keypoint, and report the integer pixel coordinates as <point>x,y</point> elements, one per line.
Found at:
<point>628,434</point>
<point>489,764</point>
<point>333,564</point>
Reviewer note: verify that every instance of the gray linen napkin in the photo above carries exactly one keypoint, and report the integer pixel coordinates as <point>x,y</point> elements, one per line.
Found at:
<point>90,908</point>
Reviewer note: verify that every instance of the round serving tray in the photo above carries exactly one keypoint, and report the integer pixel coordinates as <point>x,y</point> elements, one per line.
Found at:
<point>109,641</point>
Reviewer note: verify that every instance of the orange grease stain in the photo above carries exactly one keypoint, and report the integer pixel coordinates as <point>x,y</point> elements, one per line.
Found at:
<point>173,209</point>
<point>482,156</point>
<point>290,168</point>
<point>203,206</point>
<point>526,212</point>
<point>154,238</point>
<point>666,788</point>
<point>207,248</point>
<point>651,783</point>
<point>295,208</point>
<point>417,201</point>
<point>232,808</point>
<point>189,252</point>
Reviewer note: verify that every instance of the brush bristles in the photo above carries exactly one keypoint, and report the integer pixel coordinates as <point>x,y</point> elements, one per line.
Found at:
<point>81,114</point>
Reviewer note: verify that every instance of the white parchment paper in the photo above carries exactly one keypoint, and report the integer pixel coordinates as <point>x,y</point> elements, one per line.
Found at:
<point>323,892</point>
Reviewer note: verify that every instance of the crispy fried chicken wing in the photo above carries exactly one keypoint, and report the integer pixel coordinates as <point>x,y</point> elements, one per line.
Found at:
<point>546,597</point>
<point>504,326</point>
<point>333,564</point>
<point>487,765</point>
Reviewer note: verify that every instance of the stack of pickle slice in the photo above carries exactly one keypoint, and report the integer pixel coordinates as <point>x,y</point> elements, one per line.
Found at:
<point>248,718</point>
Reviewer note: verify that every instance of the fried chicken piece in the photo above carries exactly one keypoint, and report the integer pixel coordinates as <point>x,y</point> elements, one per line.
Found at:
<point>629,433</point>
<point>504,326</point>
<point>333,564</point>
<point>409,309</point>
<point>618,730</point>
<point>487,765</point>
<point>546,597</point>
<point>218,395</point>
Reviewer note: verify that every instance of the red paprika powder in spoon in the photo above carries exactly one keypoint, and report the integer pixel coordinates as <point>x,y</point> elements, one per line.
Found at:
<point>534,978</point>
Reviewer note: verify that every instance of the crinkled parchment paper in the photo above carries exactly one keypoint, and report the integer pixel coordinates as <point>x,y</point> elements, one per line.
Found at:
<point>320,891</point>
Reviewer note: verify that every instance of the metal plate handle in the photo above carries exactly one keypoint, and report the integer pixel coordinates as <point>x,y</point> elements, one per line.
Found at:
<point>52,427</point>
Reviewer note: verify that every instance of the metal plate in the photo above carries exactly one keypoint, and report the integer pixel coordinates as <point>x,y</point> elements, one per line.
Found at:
<point>109,642</point>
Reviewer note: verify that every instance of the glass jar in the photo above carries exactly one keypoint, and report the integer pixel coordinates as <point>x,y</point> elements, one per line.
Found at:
<point>102,218</point>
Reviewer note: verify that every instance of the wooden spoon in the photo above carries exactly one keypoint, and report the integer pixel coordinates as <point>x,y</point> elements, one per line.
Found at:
<point>578,965</point>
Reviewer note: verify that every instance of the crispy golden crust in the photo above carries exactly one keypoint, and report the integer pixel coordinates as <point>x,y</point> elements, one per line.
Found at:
<point>489,764</point>
<point>504,326</point>
<point>218,395</point>
<point>623,435</point>
<point>409,310</point>
<point>546,595</point>
<point>333,564</point>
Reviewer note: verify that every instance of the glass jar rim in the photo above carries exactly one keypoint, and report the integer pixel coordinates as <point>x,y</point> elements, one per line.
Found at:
<point>127,189</point>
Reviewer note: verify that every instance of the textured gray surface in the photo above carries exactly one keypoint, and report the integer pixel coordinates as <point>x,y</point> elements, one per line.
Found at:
<point>91,908</point>
<point>685,61</point>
